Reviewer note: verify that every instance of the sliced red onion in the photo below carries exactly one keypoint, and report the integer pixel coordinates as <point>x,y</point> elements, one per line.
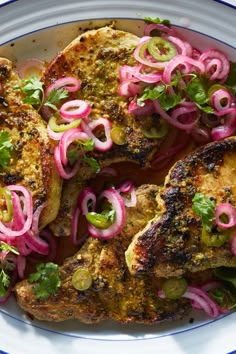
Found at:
<point>176,113</point>
<point>62,170</point>
<point>214,68</point>
<point>132,201</point>
<point>160,27</point>
<point>70,136</point>
<point>87,196</point>
<point>128,88</point>
<point>148,61</point>
<point>75,109</point>
<point>74,226</point>
<point>201,135</point>
<point>210,120</point>
<point>226,130</point>
<point>53,135</point>
<point>134,73</point>
<point>117,203</point>
<point>35,243</point>
<point>89,128</point>
<point>21,264</point>
<point>30,67</point>
<point>225,209</point>
<point>183,47</point>
<point>200,300</point>
<point>126,186</point>
<point>216,54</point>
<point>139,111</point>
<point>68,83</point>
<point>15,230</point>
<point>182,60</point>
<point>217,97</point>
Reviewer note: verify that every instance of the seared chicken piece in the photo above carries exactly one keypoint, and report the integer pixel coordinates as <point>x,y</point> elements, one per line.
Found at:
<point>114,293</point>
<point>95,58</point>
<point>173,243</point>
<point>32,162</point>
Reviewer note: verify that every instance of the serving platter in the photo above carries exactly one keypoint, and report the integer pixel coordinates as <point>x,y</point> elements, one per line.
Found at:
<point>41,29</point>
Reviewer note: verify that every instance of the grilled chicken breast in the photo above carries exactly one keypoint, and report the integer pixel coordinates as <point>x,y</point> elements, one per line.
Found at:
<point>114,293</point>
<point>32,162</point>
<point>172,243</point>
<point>95,58</point>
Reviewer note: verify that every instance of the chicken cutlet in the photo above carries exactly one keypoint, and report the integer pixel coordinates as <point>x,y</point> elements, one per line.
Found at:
<point>113,293</point>
<point>32,162</point>
<point>175,240</point>
<point>95,58</point>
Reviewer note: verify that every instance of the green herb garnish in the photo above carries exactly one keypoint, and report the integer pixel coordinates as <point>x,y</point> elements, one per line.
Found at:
<point>4,283</point>
<point>157,20</point>
<point>47,280</point>
<point>33,89</point>
<point>197,92</point>
<point>160,92</point>
<point>6,148</point>
<point>205,208</point>
<point>4,247</point>
<point>80,151</point>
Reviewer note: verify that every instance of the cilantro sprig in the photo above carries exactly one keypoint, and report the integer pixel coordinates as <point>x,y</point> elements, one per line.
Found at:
<point>34,94</point>
<point>80,150</point>
<point>205,208</point>
<point>6,148</point>
<point>159,92</point>
<point>46,279</point>
<point>157,20</point>
<point>197,92</point>
<point>6,266</point>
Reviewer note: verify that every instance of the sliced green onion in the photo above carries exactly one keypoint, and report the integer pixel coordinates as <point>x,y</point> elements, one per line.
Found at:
<point>160,49</point>
<point>6,211</point>
<point>174,288</point>
<point>62,127</point>
<point>82,279</point>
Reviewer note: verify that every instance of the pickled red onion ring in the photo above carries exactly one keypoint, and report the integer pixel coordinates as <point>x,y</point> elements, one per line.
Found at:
<point>74,109</point>
<point>90,127</point>
<point>225,209</point>
<point>217,54</point>
<point>183,60</point>
<point>11,232</point>
<point>117,203</point>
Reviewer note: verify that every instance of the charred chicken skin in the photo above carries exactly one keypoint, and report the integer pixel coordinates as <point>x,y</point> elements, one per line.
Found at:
<point>32,162</point>
<point>114,293</point>
<point>175,242</point>
<point>95,58</point>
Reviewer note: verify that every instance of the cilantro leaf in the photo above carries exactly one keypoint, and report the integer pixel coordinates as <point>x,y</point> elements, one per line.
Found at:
<point>169,101</point>
<point>54,97</point>
<point>6,147</point>
<point>151,93</point>
<point>88,144</point>
<point>47,280</point>
<point>4,283</point>
<point>33,88</point>
<point>197,92</point>
<point>225,297</point>
<point>205,208</point>
<point>92,162</point>
<point>7,248</point>
<point>157,20</point>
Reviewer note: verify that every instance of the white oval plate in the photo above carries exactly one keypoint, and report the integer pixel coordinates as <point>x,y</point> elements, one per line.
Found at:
<point>39,29</point>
